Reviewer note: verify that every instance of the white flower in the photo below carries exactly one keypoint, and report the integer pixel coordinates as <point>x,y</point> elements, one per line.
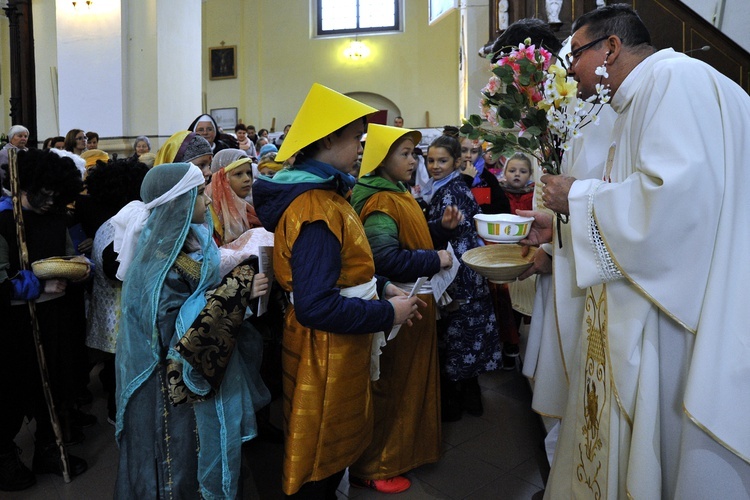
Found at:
<point>602,71</point>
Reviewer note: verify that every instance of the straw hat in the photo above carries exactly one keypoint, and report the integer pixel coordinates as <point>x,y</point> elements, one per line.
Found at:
<point>323,112</point>
<point>380,138</point>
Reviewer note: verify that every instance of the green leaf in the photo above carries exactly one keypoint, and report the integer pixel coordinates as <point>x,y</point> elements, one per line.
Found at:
<point>524,80</point>
<point>516,116</point>
<point>507,123</point>
<point>466,128</point>
<point>475,120</point>
<point>524,142</point>
<point>533,131</point>
<point>505,112</point>
<point>474,134</point>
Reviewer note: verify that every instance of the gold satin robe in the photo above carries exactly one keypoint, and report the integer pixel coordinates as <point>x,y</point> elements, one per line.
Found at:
<point>326,377</point>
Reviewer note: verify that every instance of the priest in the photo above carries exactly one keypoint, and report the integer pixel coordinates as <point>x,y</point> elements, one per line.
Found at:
<point>658,397</point>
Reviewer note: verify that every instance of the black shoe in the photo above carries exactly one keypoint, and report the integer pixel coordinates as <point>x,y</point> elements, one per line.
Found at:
<point>450,401</point>
<point>72,436</point>
<point>509,362</point>
<point>511,350</point>
<point>472,397</point>
<point>14,475</point>
<point>47,461</point>
<point>79,419</point>
<point>84,398</point>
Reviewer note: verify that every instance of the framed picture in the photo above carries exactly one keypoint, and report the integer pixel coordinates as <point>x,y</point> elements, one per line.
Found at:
<point>440,8</point>
<point>226,118</point>
<point>223,62</point>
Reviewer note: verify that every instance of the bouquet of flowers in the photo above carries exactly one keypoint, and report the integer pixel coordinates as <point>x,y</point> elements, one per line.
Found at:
<point>530,105</point>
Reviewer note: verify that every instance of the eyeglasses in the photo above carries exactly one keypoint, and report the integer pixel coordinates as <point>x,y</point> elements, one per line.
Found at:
<point>575,54</point>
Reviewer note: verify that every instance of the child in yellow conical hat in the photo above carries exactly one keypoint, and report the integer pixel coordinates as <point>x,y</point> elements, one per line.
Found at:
<point>406,399</point>
<point>323,261</point>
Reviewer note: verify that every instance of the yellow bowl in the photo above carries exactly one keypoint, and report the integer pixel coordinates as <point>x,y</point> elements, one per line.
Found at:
<point>498,263</point>
<point>502,228</point>
<point>72,268</point>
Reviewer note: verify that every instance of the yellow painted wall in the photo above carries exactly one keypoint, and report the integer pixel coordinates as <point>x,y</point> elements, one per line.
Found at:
<point>278,61</point>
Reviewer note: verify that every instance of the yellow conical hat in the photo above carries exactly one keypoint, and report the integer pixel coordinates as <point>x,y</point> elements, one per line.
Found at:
<point>380,138</point>
<point>323,112</point>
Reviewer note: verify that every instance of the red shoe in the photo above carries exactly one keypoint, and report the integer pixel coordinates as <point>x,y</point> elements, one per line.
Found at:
<point>392,485</point>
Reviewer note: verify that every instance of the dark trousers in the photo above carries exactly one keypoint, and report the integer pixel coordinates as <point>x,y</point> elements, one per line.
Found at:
<point>325,489</point>
<point>23,395</point>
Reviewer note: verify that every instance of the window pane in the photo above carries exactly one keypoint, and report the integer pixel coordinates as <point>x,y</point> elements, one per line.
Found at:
<point>338,14</point>
<point>376,13</point>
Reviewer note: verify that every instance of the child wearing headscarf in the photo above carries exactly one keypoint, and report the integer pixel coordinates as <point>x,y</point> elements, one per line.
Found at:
<point>231,183</point>
<point>182,413</point>
<point>185,146</point>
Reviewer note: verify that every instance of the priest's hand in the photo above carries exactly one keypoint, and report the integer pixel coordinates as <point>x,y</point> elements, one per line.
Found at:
<point>542,265</point>
<point>555,192</point>
<point>541,228</point>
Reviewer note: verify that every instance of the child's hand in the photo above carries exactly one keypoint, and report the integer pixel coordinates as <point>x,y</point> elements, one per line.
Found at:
<point>469,169</point>
<point>260,285</point>
<point>405,308</point>
<point>452,217</point>
<point>55,286</point>
<point>446,259</point>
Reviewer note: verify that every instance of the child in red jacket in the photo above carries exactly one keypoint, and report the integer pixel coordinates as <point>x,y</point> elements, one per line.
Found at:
<point>517,184</point>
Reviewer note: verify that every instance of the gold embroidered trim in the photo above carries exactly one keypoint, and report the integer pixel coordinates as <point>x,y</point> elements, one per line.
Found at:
<point>591,470</point>
<point>188,267</point>
<point>712,435</point>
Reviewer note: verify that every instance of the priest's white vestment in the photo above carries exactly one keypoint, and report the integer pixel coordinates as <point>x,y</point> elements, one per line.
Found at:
<point>660,389</point>
<point>558,306</point>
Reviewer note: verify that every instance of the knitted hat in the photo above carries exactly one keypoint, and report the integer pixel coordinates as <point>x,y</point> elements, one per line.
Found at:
<point>93,155</point>
<point>269,161</point>
<point>323,112</point>
<point>380,138</point>
<point>147,159</point>
<point>197,146</point>
<point>268,148</point>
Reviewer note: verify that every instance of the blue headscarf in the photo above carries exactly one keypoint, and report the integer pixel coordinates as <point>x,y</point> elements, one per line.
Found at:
<point>227,419</point>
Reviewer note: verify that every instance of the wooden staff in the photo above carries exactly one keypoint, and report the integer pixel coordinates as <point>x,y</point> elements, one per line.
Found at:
<point>23,254</point>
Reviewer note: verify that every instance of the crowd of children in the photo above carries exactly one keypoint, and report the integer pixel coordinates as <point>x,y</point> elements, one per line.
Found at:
<point>384,329</point>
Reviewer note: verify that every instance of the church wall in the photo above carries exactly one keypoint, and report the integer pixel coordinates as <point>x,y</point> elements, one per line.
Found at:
<point>735,21</point>
<point>279,61</point>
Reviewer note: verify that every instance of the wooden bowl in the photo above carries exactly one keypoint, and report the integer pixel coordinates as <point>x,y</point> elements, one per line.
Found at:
<point>71,268</point>
<point>498,263</point>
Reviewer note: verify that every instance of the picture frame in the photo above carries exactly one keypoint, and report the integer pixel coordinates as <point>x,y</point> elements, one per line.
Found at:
<point>440,8</point>
<point>226,118</point>
<point>222,62</point>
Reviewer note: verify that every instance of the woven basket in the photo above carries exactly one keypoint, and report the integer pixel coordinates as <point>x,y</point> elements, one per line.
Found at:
<point>498,263</point>
<point>60,268</point>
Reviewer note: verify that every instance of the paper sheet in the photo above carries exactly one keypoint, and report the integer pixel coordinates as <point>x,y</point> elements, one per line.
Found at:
<point>415,290</point>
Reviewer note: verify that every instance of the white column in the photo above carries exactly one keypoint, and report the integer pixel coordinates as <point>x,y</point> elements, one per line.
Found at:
<point>89,66</point>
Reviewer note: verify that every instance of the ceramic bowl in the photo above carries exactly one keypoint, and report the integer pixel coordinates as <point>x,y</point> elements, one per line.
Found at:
<point>503,228</point>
